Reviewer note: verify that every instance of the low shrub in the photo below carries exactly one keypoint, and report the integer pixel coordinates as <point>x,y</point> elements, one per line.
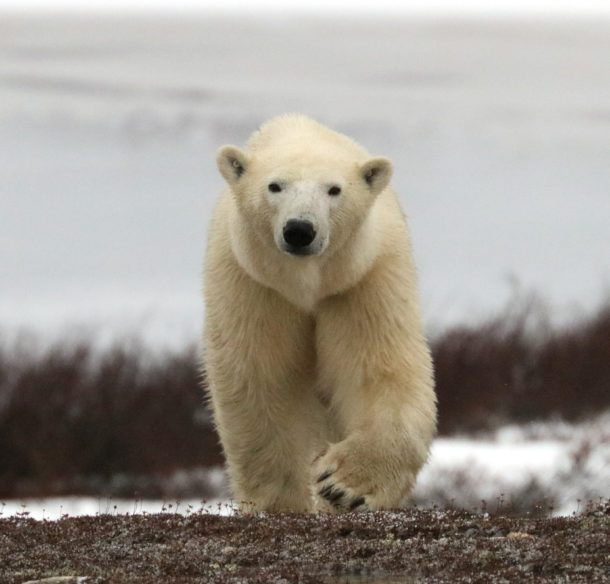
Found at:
<point>71,414</point>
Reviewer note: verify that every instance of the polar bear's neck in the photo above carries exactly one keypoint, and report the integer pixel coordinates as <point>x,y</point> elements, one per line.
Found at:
<point>301,286</point>
<point>299,280</point>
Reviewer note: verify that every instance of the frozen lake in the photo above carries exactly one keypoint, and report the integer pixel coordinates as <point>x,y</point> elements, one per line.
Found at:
<point>499,131</point>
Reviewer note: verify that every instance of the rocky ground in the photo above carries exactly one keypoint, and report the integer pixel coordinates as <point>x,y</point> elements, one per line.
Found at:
<point>412,545</point>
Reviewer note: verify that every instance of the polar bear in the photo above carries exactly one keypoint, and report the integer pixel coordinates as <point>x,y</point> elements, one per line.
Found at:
<point>319,373</point>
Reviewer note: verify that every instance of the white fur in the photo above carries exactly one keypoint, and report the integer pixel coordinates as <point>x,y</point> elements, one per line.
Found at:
<point>319,373</point>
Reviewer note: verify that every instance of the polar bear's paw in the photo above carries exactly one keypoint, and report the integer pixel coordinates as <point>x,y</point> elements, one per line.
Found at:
<point>341,498</point>
<point>346,481</point>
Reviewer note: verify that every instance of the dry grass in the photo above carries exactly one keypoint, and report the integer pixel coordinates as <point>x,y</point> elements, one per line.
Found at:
<point>517,368</point>
<point>73,417</point>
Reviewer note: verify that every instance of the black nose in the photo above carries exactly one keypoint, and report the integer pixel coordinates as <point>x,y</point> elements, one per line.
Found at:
<point>299,233</point>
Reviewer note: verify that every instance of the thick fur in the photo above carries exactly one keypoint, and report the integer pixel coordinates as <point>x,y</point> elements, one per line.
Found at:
<point>319,372</point>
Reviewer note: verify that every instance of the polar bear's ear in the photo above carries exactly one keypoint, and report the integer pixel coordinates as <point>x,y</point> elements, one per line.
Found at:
<point>232,163</point>
<point>376,173</point>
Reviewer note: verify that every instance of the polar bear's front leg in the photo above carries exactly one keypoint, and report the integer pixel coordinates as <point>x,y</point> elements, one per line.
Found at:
<point>267,448</point>
<point>375,364</point>
<point>260,365</point>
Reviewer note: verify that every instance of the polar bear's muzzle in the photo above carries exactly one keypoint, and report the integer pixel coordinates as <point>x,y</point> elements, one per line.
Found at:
<point>301,221</point>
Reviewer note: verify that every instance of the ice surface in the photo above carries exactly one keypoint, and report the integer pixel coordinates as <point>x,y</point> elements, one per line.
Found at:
<point>55,508</point>
<point>499,132</point>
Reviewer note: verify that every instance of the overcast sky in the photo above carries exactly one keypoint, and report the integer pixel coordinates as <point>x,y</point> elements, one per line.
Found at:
<point>466,7</point>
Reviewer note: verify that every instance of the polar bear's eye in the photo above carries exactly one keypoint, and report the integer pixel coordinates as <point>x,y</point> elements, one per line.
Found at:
<point>275,188</point>
<point>334,191</point>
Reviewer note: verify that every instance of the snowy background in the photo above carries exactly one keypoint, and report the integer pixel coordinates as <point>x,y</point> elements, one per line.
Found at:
<point>499,130</point>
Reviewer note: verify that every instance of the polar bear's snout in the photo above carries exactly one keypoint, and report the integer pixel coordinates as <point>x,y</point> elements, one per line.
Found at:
<point>301,216</point>
<point>298,236</point>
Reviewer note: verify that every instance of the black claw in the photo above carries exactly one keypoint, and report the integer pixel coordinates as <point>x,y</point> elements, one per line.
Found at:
<point>330,494</point>
<point>356,503</point>
<point>335,496</point>
<point>325,491</point>
<point>324,476</point>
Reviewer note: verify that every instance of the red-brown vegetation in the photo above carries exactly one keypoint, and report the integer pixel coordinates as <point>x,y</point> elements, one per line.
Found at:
<point>72,416</point>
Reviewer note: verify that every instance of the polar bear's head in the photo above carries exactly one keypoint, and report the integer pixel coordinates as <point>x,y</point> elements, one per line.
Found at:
<point>302,187</point>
